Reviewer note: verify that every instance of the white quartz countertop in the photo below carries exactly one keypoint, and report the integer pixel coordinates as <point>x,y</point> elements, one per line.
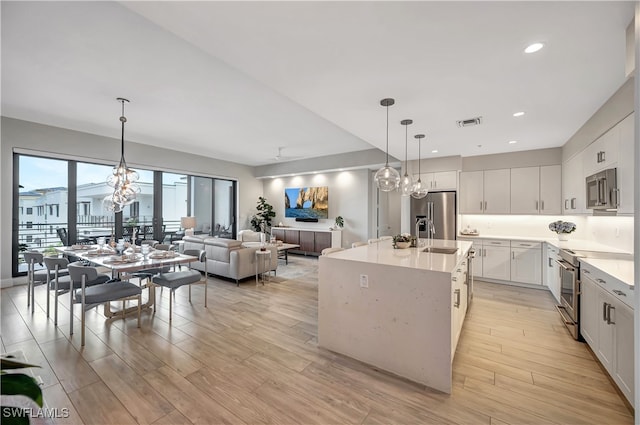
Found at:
<point>621,270</point>
<point>383,253</point>
<point>575,244</point>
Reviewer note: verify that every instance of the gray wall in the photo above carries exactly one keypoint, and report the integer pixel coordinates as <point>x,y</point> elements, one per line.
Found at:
<point>348,197</point>
<point>614,110</point>
<point>53,141</point>
<point>532,158</point>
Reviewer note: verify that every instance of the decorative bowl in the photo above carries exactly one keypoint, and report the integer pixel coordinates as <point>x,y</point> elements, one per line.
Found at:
<point>403,245</point>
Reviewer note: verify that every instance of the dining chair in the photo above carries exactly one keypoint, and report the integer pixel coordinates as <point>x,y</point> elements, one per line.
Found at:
<point>374,240</point>
<point>174,280</point>
<point>95,289</point>
<point>359,243</point>
<point>386,238</point>
<point>59,281</point>
<point>34,277</point>
<point>328,251</point>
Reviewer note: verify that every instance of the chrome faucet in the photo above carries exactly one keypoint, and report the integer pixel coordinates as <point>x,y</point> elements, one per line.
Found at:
<point>431,229</point>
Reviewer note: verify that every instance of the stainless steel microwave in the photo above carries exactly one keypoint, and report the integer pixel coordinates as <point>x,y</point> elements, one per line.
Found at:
<point>602,190</point>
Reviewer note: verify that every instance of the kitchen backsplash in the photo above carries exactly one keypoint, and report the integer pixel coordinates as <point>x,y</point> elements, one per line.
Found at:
<point>616,232</point>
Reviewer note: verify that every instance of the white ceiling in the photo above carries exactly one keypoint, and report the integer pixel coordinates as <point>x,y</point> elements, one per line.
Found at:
<point>237,80</point>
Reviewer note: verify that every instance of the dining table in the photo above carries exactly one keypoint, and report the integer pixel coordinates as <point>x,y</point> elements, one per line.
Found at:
<point>124,266</point>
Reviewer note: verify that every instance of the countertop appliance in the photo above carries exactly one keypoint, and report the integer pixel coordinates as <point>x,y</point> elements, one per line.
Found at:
<point>602,191</point>
<point>440,208</point>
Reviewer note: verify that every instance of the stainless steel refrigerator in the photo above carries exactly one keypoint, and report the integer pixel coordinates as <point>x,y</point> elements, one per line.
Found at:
<point>440,207</point>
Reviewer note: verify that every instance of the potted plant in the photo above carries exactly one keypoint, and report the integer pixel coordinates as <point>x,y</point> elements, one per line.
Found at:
<point>402,241</point>
<point>339,222</point>
<point>17,384</point>
<point>261,221</point>
<point>562,229</point>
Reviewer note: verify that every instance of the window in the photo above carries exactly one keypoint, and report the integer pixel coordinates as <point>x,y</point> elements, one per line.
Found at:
<point>29,225</point>
<point>134,209</point>
<point>29,211</point>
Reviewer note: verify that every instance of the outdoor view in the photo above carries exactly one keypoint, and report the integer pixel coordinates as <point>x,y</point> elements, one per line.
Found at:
<point>43,213</point>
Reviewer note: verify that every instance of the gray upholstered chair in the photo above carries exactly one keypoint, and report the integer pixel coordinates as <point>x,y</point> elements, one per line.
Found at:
<point>59,281</point>
<point>174,280</point>
<point>34,277</point>
<point>95,290</point>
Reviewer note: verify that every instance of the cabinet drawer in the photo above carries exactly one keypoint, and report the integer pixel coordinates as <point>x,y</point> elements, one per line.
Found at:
<point>613,286</point>
<point>526,244</point>
<point>496,242</point>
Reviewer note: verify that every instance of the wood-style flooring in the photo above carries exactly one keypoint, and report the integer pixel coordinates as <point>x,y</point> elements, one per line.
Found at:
<point>252,357</point>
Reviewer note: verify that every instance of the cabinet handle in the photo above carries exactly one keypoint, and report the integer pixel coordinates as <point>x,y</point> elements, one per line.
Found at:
<point>550,265</point>
<point>513,255</point>
<point>435,184</point>
<point>542,205</point>
<point>573,203</point>
<point>618,292</point>
<point>485,252</point>
<point>604,311</point>
<point>524,244</point>
<point>457,303</point>
<point>586,272</point>
<point>495,243</point>
<point>480,205</point>
<point>537,209</point>
<point>603,156</point>
<point>485,205</point>
<point>602,281</point>
<point>598,157</point>
<point>455,279</point>
<point>609,308</point>
<point>458,270</point>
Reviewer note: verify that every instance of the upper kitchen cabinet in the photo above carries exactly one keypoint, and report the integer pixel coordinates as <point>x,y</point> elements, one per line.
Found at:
<point>443,180</point>
<point>603,153</point>
<point>536,190</point>
<point>573,186</point>
<point>626,166</point>
<point>485,192</point>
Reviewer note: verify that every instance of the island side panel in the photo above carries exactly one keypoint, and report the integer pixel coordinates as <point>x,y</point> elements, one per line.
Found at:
<point>401,323</point>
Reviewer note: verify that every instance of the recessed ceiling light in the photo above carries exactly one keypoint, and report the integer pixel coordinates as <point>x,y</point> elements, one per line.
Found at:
<point>518,114</point>
<point>532,48</point>
<point>512,142</point>
<point>434,151</point>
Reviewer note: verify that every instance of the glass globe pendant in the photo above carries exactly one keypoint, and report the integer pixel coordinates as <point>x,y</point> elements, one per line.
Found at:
<point>406,184</point>
<point>419,189</point>
<point>387,178</point>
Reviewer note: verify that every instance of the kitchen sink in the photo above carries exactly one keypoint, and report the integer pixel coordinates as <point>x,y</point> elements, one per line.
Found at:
<point>435,250</point>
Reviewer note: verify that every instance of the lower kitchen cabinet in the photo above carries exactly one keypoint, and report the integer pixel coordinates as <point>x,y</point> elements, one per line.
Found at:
<point>496,261</point>
<point>551,271</point>
<point>606,324</point>
<point>525,262</point>
<point>515,261</point>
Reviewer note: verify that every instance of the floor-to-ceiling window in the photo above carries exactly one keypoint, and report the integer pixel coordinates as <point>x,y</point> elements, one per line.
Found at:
<point>175,201</point>
<point>93,219</point>
<point>223,210</point>
<point>41,206</point>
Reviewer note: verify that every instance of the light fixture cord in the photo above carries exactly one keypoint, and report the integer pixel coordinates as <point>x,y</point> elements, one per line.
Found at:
<point>419,156</point>
<point>387,160</point>
<point>406,132</point>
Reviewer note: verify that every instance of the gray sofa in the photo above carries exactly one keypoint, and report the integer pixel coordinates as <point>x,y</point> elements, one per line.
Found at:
<point>228,258</point>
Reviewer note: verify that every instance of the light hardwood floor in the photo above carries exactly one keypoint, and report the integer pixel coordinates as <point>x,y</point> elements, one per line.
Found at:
<point>251,357</point>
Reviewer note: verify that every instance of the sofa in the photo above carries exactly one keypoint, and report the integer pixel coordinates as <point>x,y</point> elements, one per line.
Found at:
<point>248,235</point>
<point>228,258</point>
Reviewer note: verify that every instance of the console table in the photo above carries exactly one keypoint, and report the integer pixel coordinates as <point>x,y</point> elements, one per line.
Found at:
<point>310,241</point>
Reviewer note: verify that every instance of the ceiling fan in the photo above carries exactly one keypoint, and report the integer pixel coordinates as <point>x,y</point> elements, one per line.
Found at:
<point>280,157</point>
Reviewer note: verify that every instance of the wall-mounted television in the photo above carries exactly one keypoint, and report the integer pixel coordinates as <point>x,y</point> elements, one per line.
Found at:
<point>306,202</point>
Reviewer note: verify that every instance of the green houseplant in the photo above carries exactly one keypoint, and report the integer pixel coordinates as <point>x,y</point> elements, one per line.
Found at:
<point>13,384</point>
<point>339,222</point>
<point>261,221</point>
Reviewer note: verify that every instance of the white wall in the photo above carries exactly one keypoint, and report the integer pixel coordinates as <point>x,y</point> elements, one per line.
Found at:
<point>616,232</point>
<point>54,141</point>
<point>348,197</point>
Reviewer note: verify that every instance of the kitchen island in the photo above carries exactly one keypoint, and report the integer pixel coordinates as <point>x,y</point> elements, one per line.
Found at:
<point>400,310</point>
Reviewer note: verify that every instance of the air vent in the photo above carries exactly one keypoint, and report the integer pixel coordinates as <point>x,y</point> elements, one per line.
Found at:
<point>469,122</point>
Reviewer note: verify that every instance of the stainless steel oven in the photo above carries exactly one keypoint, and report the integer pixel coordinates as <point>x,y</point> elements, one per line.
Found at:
<point>570,291</point>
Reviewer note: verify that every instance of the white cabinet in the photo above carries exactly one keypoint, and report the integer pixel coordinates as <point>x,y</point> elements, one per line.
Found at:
<point>485,192</point>
<point>588,311</point>
<point>606,324</point>
<point>471,193</point>
<point>573,186</point>
<point>459,290</point>
<point>497,191</point>
<point>442,180</point>
<point>551,271</point>
<point>496,260</point>
<point>626,166</point>
<point>526,258</point>
<point>550,189</point>
<point>536,190</point>
<point>525,190</point>
<point>602,153</point>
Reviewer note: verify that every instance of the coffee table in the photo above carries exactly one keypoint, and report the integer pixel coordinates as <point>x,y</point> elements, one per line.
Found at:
<point>283,251</point>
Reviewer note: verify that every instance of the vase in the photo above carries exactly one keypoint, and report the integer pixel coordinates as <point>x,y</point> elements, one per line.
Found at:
<point>563,236</point>
<point>403,245</point>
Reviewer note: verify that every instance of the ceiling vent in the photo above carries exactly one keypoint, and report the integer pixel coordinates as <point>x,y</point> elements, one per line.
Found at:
<point>469,122</point>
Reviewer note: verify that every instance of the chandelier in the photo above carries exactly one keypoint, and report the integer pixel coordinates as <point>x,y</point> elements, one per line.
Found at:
<point>406,184</point>
<point>387,178</point>
<point>419,188</point>
<point>123,179</point>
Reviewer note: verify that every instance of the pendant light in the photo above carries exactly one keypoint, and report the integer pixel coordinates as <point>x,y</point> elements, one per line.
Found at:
<point>387,178</point>
<point>419,189</point>
<point>406,184</point>
<point>123,179</point>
